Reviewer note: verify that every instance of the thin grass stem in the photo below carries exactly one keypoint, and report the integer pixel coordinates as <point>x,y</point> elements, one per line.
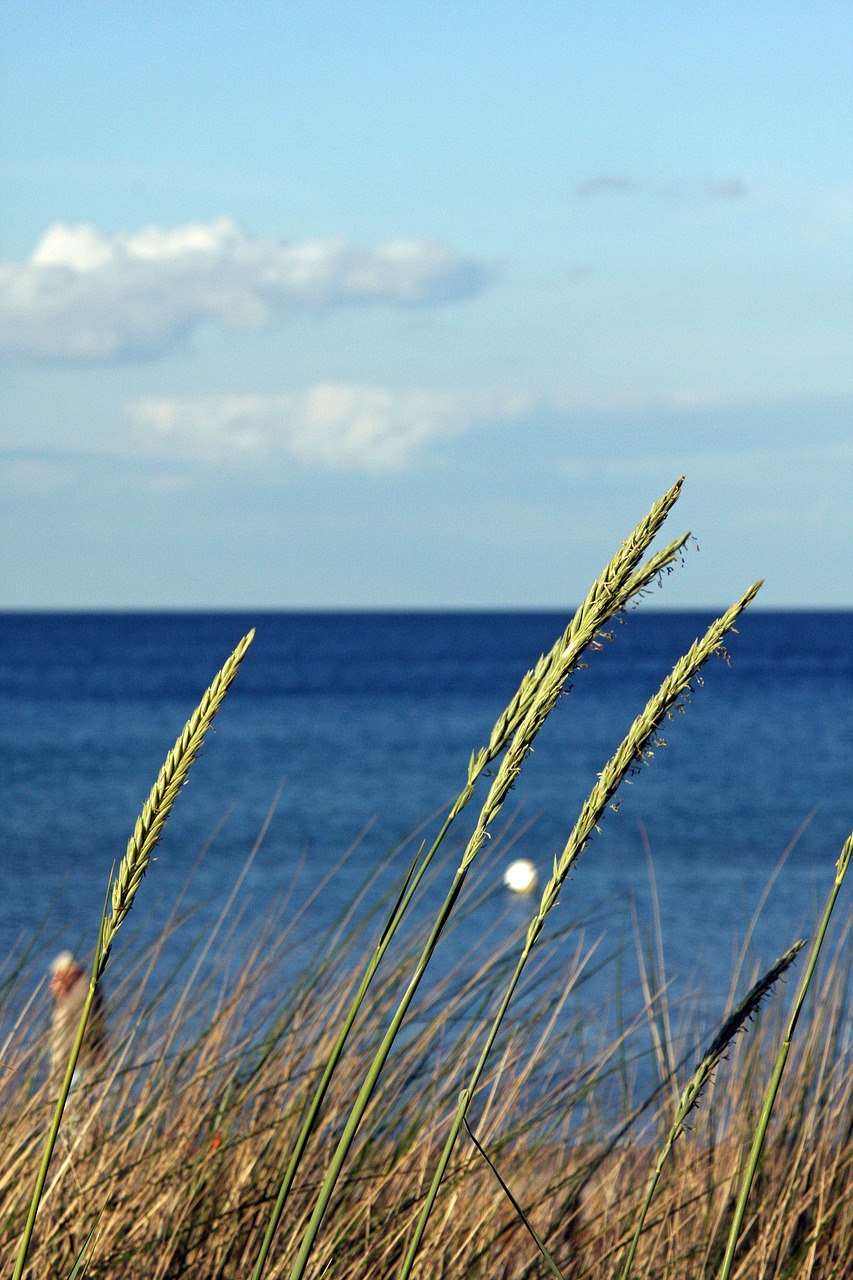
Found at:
<point>518,726</point>
<point>122,890</point>
<point>754,1158</point>
<point>634,748</point>
<point>731,1026</point>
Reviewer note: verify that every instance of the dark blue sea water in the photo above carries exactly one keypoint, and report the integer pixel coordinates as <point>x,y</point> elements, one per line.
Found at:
<point>369,720</point>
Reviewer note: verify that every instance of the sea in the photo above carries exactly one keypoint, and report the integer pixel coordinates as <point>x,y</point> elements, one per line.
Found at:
<point>346,736</point>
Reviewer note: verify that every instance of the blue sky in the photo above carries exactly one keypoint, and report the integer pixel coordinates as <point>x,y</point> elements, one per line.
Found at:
<point>386,305</point>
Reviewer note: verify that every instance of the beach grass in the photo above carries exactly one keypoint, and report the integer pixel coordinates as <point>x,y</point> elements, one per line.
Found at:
<point>363,1117</point>
<point>172,1165</point>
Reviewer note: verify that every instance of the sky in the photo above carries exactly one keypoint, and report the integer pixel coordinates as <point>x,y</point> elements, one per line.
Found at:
<point>340,305</point>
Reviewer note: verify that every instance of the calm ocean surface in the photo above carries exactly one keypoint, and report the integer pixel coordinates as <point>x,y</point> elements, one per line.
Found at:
<point>369,720</point>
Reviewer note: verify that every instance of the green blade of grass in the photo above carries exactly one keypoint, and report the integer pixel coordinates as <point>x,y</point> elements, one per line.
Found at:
<point>518,726</point>
<point>84,1257</point>
<point>754,1158</point>
<point>634,747</point>
<point>122,889</point>
<point>689,1098</point>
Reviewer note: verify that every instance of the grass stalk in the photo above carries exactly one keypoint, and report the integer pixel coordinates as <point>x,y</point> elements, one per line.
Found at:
<point>122,890</point>
<point>754,1158</point>
<point>158,806</point>
<point>692,1091</point>
<point>633,748</point>
<point>624,578</point>
<point>534,1234</point>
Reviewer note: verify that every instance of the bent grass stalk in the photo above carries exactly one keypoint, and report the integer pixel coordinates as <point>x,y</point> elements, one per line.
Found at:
<point>633,748</point>
<point>122,889</point>
<point>623,578</point>
<point>689,1098</point>
<point>754,1158</point>
<point>730,1027</point>
<point>537,1239</point>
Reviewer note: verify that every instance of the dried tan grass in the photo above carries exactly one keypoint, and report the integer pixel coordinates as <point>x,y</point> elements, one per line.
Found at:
<point>192,1123</point>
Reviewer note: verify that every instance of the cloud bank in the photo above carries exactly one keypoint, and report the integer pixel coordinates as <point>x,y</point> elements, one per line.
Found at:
<point>605,184</point>
<point>338,427</point>
<point>87,296</point>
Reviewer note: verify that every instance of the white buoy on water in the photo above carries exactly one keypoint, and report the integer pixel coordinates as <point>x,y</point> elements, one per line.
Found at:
<point>520,876</point>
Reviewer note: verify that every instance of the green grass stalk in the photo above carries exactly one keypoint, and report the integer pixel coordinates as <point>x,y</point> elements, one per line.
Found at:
<point>523,718</point>
<point>754,1158</point>
<point>122,889</point>
<point>623,579</point>
<point>158,806</point>
<point>689,1098</point>
<point>633,748</point>
<point>534,1234</point>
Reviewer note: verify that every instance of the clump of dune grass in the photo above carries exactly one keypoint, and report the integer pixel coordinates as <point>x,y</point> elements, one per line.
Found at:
<point>249,1133</point>
<point>174,1160</point>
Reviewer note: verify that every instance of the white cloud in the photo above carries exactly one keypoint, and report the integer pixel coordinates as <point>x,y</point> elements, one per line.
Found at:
<point>87,296</point>
<point>334,426</point>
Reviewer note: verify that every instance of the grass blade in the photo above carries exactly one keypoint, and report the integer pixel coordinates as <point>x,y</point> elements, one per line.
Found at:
<point>518,726</point>
<point>734,1023</point>
<point>537,1239</point>
<point>633,748</point>
<point>122,889</point>
<point>754,1158</point>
